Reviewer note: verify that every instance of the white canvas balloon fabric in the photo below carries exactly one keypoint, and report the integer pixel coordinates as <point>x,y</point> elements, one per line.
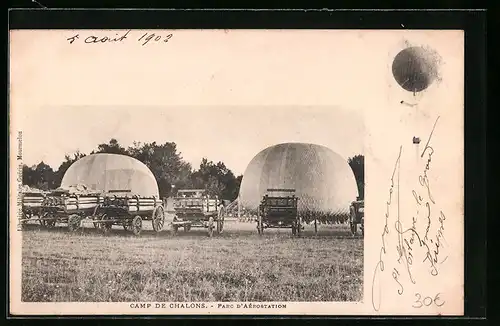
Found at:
<point>112,172</point>
<point>322,179</point>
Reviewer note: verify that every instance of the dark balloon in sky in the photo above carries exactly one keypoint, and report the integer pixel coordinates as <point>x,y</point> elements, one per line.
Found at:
<point>415,68</point>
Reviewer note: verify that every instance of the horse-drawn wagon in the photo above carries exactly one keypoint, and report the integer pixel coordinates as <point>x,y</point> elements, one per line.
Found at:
<point>278,209</point>
<point>195,208</point>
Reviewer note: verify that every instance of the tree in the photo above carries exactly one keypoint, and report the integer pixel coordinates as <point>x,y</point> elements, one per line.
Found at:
<point>217,179</point>
<point>165,163</point>
<point>113,147</point>
<point>232,186</point>
<point>29,177</point>
<point>40,176</point>
<point>357,164</point>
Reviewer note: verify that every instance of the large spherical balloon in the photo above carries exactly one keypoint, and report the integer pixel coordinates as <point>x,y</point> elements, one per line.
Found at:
<point>415,68</point>
<point>107,172</point>
<point>322,179</point>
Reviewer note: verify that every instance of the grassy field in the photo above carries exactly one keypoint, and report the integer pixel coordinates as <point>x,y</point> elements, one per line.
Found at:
<point>238,265</point>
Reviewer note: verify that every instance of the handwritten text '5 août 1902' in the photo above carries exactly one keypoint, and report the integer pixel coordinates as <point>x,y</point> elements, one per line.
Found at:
<point>142,39</point>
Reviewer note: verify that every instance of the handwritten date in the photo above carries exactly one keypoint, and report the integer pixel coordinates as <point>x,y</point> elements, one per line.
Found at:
<point>117,38</point>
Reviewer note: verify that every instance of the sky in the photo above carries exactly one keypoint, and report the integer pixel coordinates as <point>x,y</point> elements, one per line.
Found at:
<point>231,134</point>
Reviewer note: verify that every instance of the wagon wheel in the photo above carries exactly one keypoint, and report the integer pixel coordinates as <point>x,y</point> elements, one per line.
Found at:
<point>298,226</point>
<point>50,223</point>
<point>98,218</point>
<point>158,218</point>
<point>220,221</point>
<point>352,224</point>
<point>136,225</point>
<point>174,228</point>
<point>260,227</point>
<point>210,226</point>
<point>42,222</point>
<point>105,226</point>
<point>27,215</point>
<point>74,222</point>
<point>353,228</point>
<point>220,225</point>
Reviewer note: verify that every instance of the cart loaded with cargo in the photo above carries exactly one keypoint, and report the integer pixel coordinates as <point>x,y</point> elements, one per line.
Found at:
<point>62,205</point>
<point>195,208</point>
<point>129,210</point>
<point>77,205</point>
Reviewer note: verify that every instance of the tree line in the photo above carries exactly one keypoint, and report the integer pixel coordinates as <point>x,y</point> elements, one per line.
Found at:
<point>168,167</point>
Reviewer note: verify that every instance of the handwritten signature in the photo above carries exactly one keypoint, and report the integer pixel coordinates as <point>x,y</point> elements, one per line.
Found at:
<point>380,265</point>
<point>117,38</point>
<point>409,237</point>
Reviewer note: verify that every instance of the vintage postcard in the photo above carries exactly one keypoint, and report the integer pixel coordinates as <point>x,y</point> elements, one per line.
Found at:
<point>160,172</point>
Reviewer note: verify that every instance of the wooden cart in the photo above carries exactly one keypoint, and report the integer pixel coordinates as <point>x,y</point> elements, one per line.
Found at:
<point>194,208</point>
<point>32,206</point>
<point>120,207</point>
<point>60,206</point>
<point>278,209</point>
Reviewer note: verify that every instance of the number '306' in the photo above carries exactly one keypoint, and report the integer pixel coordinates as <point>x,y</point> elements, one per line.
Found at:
<point>427,301</point>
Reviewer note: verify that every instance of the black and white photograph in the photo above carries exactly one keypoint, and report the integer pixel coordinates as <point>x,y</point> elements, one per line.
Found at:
<point>177,213</point>
<point>226,171</point>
